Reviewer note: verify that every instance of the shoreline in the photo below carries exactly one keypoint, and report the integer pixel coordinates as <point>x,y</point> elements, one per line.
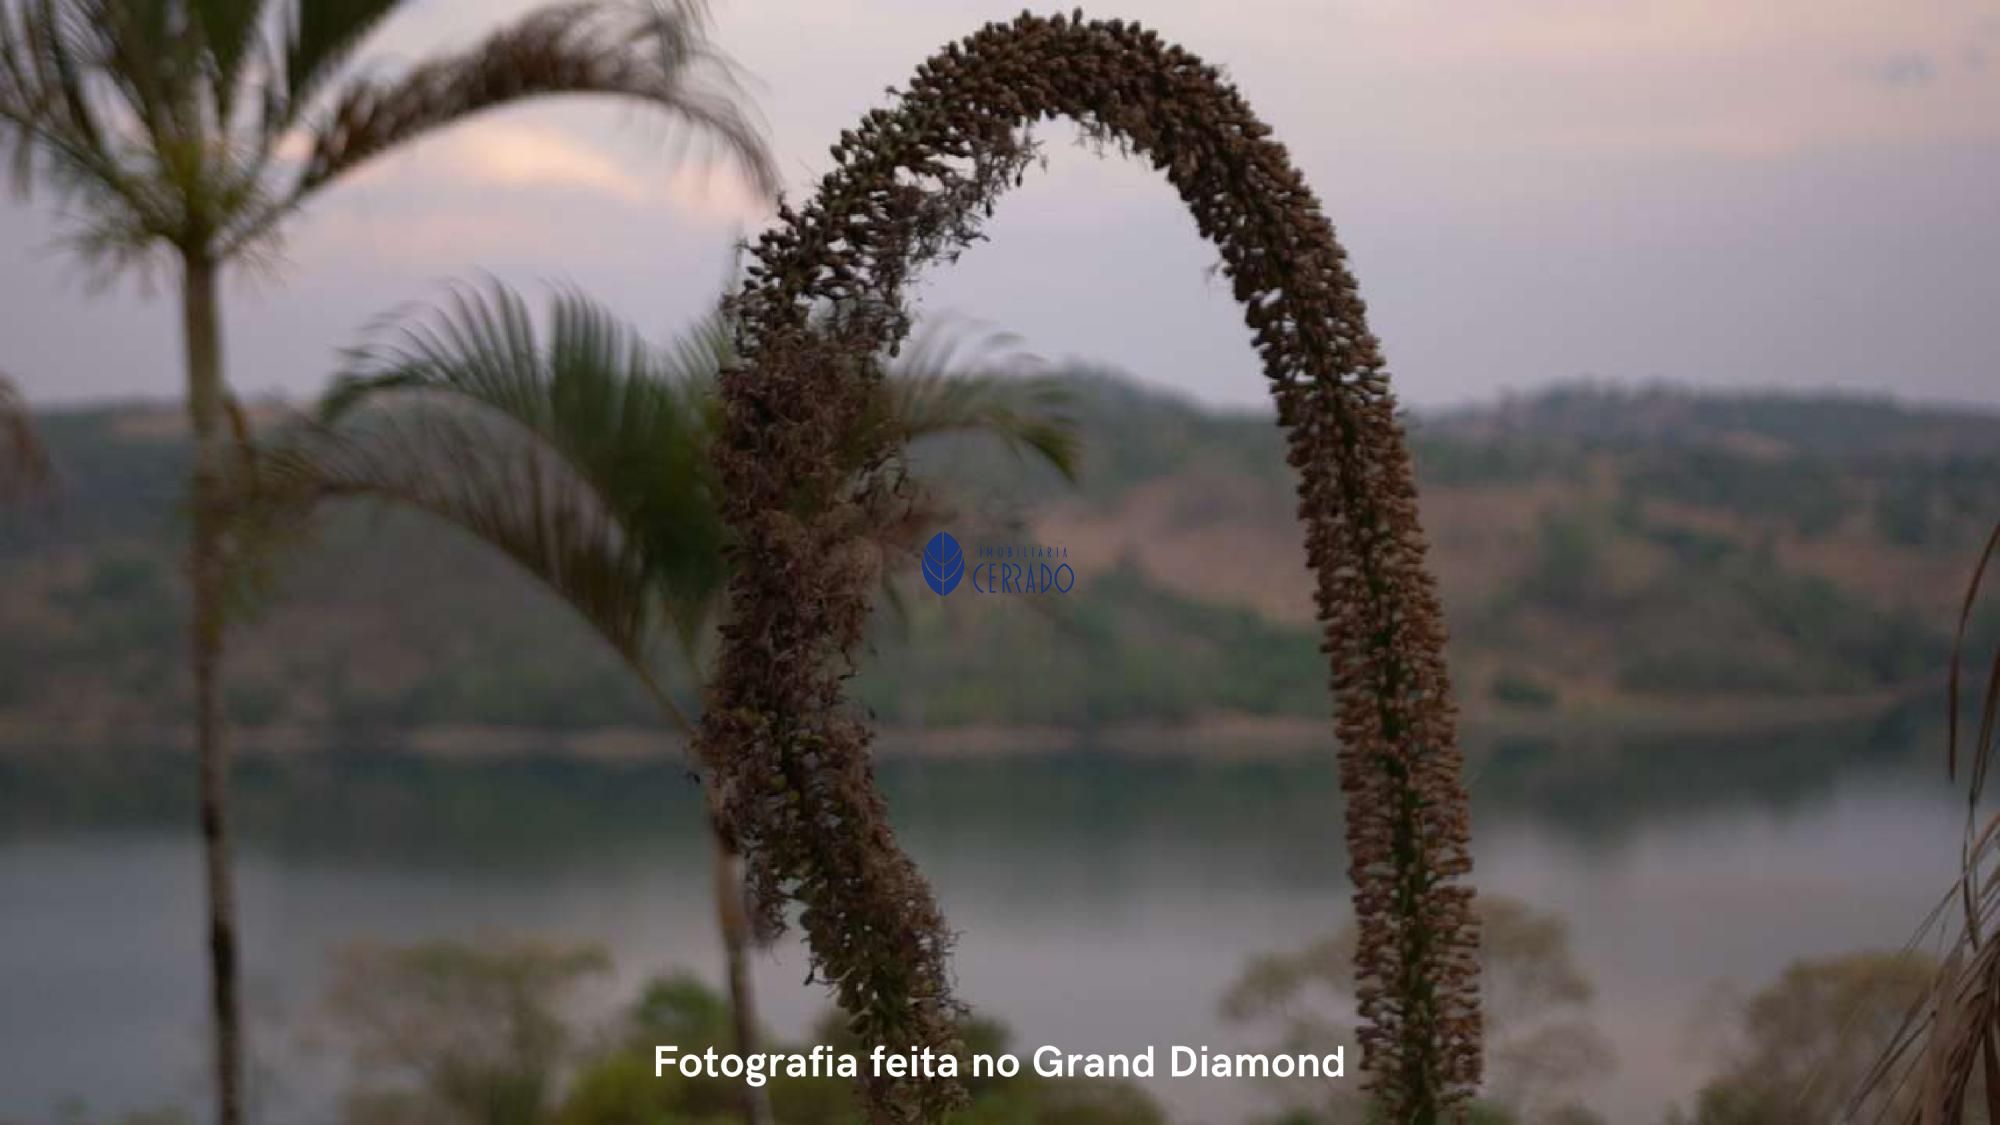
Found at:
<point>1222,737</point>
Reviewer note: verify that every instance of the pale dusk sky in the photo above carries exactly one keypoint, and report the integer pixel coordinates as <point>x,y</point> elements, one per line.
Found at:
<point>1789,193</point>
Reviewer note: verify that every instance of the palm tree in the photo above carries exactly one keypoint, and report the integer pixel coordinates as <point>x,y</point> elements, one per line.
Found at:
<point>164,128</point>
<point>585,459</point>
<point>24,464</point>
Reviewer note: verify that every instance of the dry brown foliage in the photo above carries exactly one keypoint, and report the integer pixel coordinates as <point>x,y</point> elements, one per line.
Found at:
<point>911,186</point>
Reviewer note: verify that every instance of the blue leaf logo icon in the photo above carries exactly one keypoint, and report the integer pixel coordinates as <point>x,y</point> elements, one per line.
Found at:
<point>944,563</point>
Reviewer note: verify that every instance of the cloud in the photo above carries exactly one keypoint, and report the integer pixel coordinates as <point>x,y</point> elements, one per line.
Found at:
<point>517,155</point>
<point>513,155</point>
<point>1905,69</point>
<point>517,190</point>
<point>535,160</point>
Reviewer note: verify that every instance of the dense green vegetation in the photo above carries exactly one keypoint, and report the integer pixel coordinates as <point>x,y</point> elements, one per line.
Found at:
<point>1600,551</point>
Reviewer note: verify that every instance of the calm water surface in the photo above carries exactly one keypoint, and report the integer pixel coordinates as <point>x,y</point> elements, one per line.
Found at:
<point>1104,904</point>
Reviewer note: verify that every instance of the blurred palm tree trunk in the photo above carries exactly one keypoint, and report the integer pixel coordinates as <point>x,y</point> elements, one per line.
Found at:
<point>203,337</point>
<point>733,921</point>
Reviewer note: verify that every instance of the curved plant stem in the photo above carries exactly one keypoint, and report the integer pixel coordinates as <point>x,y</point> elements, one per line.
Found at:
<point>912,185</point>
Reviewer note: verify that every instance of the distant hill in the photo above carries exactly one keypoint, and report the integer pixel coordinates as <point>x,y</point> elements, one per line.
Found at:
<point>1605,554</point>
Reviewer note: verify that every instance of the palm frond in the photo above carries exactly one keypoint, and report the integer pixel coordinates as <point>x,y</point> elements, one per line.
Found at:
<point>947,381</point>
<point>656,55</point>
<point>630,421</point>
<point>133,112</point>
<point>24,463</point>
<point>1983,746</point>
<point>460,467</point>
<point>228,31</point>
<point>319,37</point>
<point>632,424</point>
<point>53,132</point>
<point>1948,1046</point>
<point>952,381</point>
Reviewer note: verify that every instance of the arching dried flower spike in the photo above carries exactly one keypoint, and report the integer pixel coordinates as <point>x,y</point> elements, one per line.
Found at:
<point>911,186</point>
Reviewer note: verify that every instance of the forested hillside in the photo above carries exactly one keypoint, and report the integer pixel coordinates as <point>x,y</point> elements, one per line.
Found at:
<point>1604,554</point>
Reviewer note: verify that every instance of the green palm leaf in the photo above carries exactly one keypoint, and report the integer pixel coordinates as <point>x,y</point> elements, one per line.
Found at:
<point>599,434</point>
<point>318,37</point>
<point>227,29</point>
<point>939,385</point>
<point>654,55</point>
<point>131,110</point>
<point>476,472</point>
<point>626,421</point>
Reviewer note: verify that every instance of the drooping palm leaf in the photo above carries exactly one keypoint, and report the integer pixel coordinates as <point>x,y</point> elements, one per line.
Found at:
<point>53,125</point>
<point>474,471</point>
<point>132,110</point>
<point>628,421</point>
<point>228,30</point>
<point>654,55</point>
<point>939,386</point>
<point>614,416</point>
<point>318,38</point>
<point>950,381</point>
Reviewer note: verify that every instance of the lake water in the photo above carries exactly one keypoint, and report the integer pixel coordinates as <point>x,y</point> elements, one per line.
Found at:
<point>1104,903</point>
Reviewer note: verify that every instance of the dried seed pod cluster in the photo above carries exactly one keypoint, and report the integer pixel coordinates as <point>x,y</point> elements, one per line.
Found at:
<point>911,186</point>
